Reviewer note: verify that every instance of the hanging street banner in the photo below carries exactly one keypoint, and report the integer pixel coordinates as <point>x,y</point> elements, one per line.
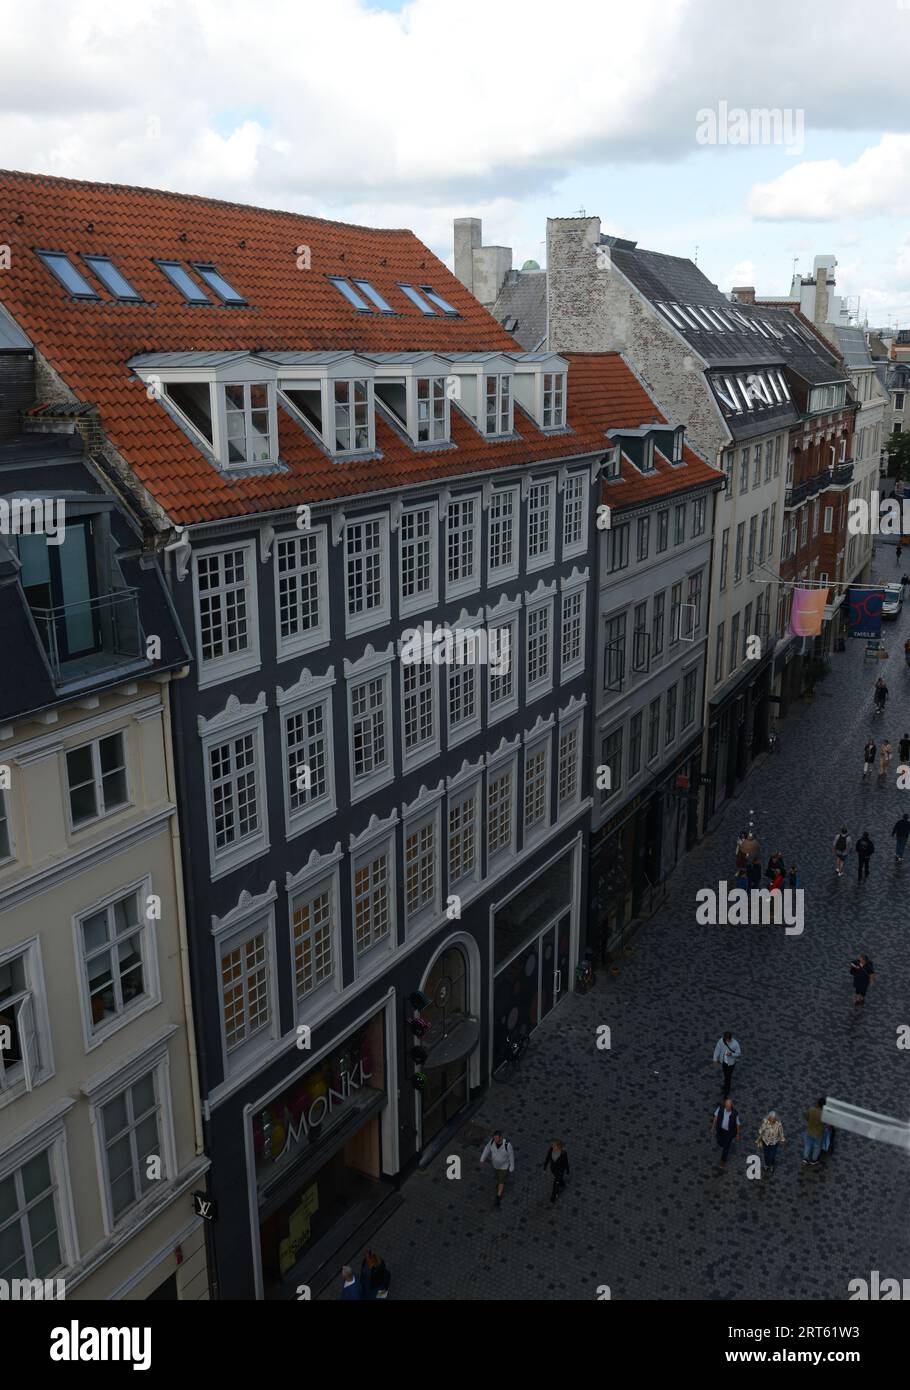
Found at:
<point>865,613</point>
<point>807,612</point>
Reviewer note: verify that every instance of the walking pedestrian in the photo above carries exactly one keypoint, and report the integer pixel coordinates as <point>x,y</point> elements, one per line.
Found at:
<point>793,877</point>
<point>901,833</point>
<point>842,845</point>
<point>884,757</point>
<point>898,555</point>
<point>726,1127</point>
<point>770,1137</point>
<point>557,1160</point>
<point>776,864</point>
<point>500,1153</point>
<point>753,872</point>
<point>812,1146</point>
<point>864,852</point>
<point>777,881</point>
<point>742,857</point>
<point>863,972</point>
<point>742,879</point>
<point>903,749</point>
<point>350,1289</point>
<point>868,756</point>
<point>726,1054</point>
<point>374,1276</point>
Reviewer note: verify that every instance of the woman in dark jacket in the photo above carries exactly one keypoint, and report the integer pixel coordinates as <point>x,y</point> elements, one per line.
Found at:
<point>557,1160</point>
<point>374,1277</point>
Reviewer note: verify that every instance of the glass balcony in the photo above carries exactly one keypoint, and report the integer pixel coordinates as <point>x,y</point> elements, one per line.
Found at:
<point>92,637</point>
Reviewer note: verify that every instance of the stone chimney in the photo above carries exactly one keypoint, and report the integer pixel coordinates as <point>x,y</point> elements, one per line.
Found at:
<point>821,295</point>
<point>745,294</point>
<point>468,239</point>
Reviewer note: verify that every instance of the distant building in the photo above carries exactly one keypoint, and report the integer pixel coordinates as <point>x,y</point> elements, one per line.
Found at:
<point>516,298</point>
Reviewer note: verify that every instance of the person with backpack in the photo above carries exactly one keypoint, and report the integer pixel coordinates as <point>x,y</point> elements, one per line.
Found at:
<point>727,1053</point>
<point>864,852</point>
<point>557,1160</point>
<point>726,1127</point>
<point>901,833</point>
<point>842,844</point>
<point>500,1153</point>
<point>868,756</point>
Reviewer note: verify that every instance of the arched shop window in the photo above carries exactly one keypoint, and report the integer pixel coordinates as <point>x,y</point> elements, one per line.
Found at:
<point>446,988</point>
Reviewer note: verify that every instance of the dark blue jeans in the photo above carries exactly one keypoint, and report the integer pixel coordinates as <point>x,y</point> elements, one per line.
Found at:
<point>899,847</point>
<point>771,1154</point>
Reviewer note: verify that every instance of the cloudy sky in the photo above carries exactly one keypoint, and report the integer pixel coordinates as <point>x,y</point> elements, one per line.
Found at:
<point>412,112</point>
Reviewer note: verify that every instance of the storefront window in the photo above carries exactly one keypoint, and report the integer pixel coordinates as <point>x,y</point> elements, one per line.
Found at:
<point>446,988</point>
<point>533,908</point>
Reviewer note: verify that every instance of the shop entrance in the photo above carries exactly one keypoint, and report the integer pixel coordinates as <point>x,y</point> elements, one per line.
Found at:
<point>531,984</point>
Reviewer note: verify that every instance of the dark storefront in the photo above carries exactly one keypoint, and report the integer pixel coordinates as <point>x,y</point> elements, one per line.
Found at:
<point>737,732</point>
<point>635,851</point>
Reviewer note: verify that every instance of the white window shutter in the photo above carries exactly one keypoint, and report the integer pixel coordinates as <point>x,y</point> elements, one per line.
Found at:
<point>28,1040</point>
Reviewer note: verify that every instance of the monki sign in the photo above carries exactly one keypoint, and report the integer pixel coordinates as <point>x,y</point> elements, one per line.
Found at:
<point>323,1106</point>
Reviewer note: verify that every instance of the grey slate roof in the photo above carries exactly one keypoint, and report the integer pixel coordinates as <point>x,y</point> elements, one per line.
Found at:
<point>852,343</point>
<point>523,297</point>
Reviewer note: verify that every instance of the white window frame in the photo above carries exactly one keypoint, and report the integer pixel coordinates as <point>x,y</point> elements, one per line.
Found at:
<point>153,1058</point>
<point>319,876</point>
<point>304,696</point>
<point>542,558</point>
<point>469,584</point>
<point>573,588</point>
<point>94,744</point>
<point>497,768</point>
<point>427,913</point>
<point>569,723</point>
<point>35,1070</point>
<point>464,728</point>
<point>94,1035</point>
<point>371,666</point>
<point>333,406</point>
<point>542,685</point>
<point>214,670</point>
<point>221,389</point>
<point>539,830</point>
<point>428,748</point>
<point>459,790</point>
<point>504,415</point>
<point>6,821</point>
<point>418,603</point>
<point>230,725</point>
<point>380,615</point>
<point>368,847</point>
<point>499,618</point>
<point>495,573</point>
<point>314,637</point>
<point>48,1137</point>
<point>579,484</point>
<point>255,917</point>
<point>556,404</point>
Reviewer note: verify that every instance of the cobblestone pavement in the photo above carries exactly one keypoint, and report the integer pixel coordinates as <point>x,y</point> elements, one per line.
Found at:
<point>648,1211</point>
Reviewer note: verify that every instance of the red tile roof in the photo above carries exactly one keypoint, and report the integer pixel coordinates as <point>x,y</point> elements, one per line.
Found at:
<point>89,343</point>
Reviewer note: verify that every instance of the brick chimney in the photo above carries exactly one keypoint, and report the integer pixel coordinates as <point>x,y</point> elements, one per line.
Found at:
<point>745,294</point>
<point>821,295</point>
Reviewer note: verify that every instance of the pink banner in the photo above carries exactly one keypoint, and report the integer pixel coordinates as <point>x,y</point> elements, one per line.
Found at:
<point>807,612</point>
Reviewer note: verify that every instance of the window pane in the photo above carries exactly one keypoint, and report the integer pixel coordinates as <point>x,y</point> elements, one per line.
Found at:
<point>36,1176</point>
<point>114,1116</point>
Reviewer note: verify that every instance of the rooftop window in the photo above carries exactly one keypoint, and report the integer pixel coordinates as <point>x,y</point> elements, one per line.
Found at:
<point>417,299</point>
<point>111,278</point>
<point>498,404</point>
<point>438,300</point>
<point>70,278</point>
<point>374,296</point>
<point>350,294</point>
<point>339,409</point>
<point>184,282</point>
<point>236,419</point>
<point>216,281</point>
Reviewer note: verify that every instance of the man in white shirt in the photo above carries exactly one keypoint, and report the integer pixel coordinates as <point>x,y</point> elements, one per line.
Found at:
<point>727,1053</point>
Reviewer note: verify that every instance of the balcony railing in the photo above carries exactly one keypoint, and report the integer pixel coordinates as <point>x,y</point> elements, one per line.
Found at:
<point>794,495</point>
<point>841,475</point>
<point>91,637</point>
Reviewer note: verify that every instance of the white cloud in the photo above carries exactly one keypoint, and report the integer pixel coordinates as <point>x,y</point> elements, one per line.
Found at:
<point>875,184</point>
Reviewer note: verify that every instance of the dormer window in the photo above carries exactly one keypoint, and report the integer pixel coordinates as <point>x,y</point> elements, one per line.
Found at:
<point>647,454</point>
<point>610,464</point>
<point>554,398</point>
<point>498,404</point>
<point>248,423</point>
<point>678,446</point>
<point>352,415</point>
<point>432,424</point>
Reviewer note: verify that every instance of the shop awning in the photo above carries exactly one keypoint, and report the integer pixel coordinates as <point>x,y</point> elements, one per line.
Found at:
<point>458,1044</point>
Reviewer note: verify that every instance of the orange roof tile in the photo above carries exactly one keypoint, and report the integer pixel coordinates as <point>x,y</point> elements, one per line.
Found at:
<point>89,343</point>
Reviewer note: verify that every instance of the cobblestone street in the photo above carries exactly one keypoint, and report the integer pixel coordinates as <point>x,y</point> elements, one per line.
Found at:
<point>648,1211</point>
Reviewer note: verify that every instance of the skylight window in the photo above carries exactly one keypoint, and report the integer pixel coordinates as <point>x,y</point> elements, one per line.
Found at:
<point>111,278</point>
<point>375,296</point>
<point>686,316</point>
<point>417,299</point>
<point>184,282</point>
<point>438,300</point>
<point>671,314</point>
<point>350,294</point>
<point>716,319</point>
<point>760,327</point>
<point>216,281</point>
<point>772,329</point>
<point>70,278</point>
<point>700,317</point>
